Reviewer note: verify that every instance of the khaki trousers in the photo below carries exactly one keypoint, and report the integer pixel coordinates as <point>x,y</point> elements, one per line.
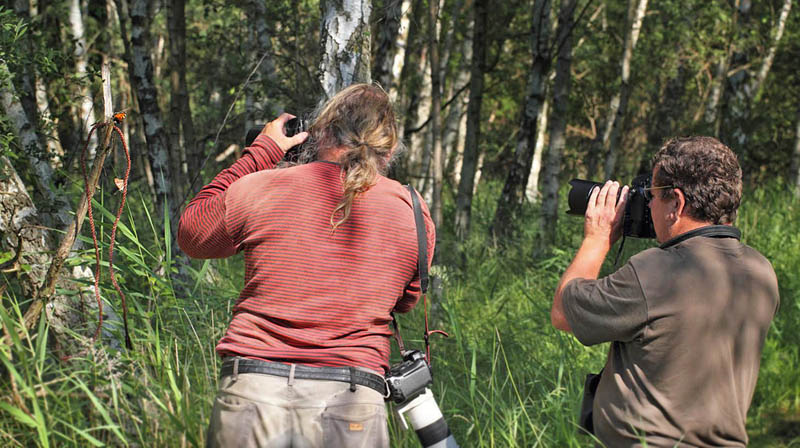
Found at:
<point>256,410</point>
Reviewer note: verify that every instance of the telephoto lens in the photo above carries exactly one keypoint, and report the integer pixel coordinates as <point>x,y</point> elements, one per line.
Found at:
<point>427,420</point>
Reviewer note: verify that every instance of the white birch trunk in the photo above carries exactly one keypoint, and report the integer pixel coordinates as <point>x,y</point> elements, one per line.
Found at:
<point>532,189</point>
<point>345,43</point>
<point>29,141</point>
<point>758,82</point>
<point>400,44</point>
<point>85,105</point>
<point>619,104</point>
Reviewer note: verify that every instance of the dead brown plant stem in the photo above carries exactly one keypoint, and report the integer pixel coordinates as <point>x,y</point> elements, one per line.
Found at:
<point>49,284</point>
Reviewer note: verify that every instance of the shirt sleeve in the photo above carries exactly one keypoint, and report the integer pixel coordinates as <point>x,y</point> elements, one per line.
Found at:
<point>612,308</point>
<point>202,231</point>
<point>412,291</point>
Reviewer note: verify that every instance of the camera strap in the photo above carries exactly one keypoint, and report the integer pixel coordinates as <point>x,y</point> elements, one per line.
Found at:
<point>422,270</point>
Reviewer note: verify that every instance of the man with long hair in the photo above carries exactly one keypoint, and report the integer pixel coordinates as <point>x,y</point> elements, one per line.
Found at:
<point>330,249</point>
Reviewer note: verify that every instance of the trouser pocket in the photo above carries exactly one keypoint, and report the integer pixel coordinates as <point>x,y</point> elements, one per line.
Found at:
<point>233,424</point>
<point>355,425</point>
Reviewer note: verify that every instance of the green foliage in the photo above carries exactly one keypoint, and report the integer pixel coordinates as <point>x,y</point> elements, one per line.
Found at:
<point>505,377</point>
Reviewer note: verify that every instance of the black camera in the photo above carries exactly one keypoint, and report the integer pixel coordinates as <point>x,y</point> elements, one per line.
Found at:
<point>408,383</point>
<point>637,222</point>
<point>293,127</point>
<point>409,378</point>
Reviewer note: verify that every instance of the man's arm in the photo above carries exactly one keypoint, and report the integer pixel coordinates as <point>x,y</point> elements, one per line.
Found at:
<point>602,228</point>
<point>201,230</point>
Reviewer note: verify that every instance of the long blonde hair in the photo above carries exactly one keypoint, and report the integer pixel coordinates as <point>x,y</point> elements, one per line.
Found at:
<point>360,119</point>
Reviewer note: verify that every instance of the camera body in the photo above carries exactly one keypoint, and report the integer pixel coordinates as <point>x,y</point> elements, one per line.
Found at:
<point>637,222</point>
<point>409,378</point>
<point>408,383</point>
<point>292,127</point>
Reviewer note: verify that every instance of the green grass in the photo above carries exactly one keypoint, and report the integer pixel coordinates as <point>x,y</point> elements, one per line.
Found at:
<point>504,378</point>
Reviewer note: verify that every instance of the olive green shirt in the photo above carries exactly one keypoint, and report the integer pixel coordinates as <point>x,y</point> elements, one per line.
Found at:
<point>687,323</point>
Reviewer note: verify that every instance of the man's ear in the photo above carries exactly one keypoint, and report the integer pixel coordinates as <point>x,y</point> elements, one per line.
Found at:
<point>678,203</point>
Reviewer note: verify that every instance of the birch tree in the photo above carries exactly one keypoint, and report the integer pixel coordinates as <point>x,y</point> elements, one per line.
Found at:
<point>390,41</point>
<point>181,125</point>
<point>712,113</point>
<point>436,105</point>
<point>261,106</point>
<point>745,93</point>
<point>558,120</point>
<point>513,194</point>
<point>470,158</point>
<point>80,54</point>
<point>619,103</point>
<point>54,207</point>
<point>140,71</point>
<point>345,43</point>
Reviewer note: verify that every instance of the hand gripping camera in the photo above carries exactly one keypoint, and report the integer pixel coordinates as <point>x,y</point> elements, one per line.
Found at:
<point>292,127</point>
<point>408,383</point>
<point>637,222</point>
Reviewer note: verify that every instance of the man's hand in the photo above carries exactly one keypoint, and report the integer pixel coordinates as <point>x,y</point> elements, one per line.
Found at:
<point>276,130</point>
<point>604,214</point>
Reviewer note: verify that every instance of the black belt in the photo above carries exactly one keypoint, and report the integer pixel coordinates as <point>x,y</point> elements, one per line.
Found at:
<point>343,374</point>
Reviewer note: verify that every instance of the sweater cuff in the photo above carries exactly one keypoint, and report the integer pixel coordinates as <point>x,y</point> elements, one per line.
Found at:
<point>265,152</point>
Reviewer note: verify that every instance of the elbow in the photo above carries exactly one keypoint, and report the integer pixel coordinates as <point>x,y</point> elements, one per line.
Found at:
<point>558,319</point>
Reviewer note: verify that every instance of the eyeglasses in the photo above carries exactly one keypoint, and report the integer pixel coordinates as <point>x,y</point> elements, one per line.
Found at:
<point>648,195</point>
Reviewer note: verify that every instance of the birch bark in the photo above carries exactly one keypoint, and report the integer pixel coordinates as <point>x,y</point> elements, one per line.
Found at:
<point>345,43</point>
<point>510,201</point>
<point>619,104</point>
<point>558,121</point>
<point>140,69</point>
<point>436,106</point>
<point>470,158</point>
<point>54,208</point>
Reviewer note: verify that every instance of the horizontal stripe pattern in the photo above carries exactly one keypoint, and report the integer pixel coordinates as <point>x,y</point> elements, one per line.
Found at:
<point>311,295</point>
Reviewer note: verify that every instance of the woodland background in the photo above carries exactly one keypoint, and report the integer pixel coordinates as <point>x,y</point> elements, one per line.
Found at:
<point>501,103</point>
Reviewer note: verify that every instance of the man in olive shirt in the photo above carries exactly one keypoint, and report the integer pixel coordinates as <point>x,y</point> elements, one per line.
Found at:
<point>687,320</point>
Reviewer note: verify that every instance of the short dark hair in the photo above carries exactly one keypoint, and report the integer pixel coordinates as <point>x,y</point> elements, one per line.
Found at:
<point>708,174</point>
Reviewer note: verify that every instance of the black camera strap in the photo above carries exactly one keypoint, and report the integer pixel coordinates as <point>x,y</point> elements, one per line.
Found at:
<point>422,270</point>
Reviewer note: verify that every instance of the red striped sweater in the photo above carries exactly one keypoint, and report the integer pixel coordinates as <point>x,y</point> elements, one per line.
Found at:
<point>310,296</point>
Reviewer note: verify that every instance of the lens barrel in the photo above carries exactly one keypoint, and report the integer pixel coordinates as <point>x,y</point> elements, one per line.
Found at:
<point>578,198</point>
<point>637,222</point>
<point>428,422</point>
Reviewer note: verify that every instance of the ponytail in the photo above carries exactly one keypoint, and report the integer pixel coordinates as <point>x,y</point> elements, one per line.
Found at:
<point>361,120</point>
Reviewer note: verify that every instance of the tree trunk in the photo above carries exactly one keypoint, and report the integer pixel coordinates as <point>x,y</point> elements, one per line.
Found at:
<point>388,38</point>
<point>181,127</point>
<point>453,138</point>
<point>619,105</point>
<point>140,70</point>
<point>513,195</point>
<point>745,93</point>
<point>712,113</point>
<point>263,106</point>
<point>558,121</point>
<point>758,82</point>
<point>24,74</point>
<point>53,207</point>
<point>470,159</point>
<point>436,106</point>
<point>532,193</point>
<point>80,54</point>
<point>795,169</point>
<point>400,55</point>
<point>345,43</point>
